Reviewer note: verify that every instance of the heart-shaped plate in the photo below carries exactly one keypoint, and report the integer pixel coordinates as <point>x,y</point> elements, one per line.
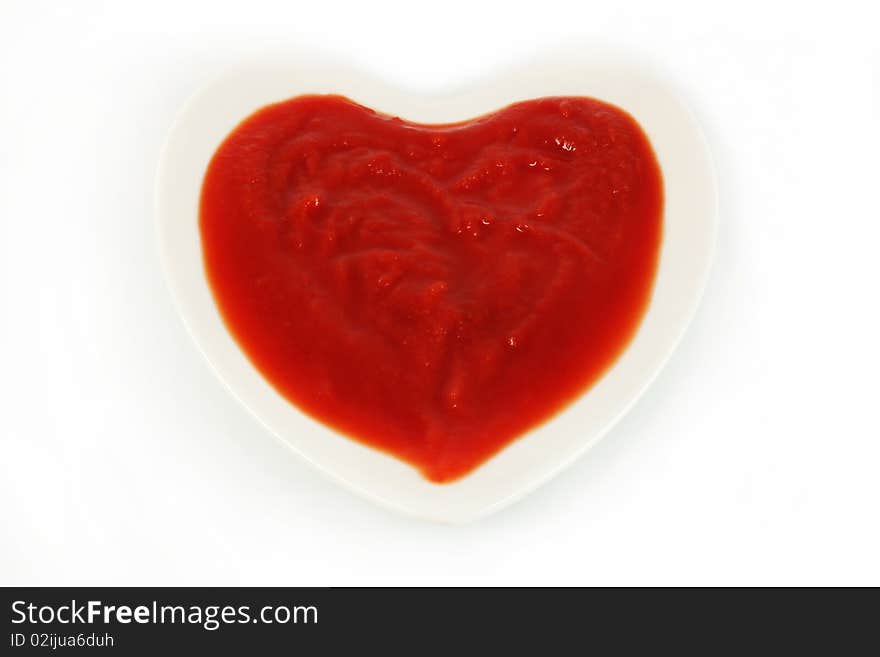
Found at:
<point>686,252</point>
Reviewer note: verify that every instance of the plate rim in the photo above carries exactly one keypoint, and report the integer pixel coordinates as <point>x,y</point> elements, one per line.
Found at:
<point>364,470</point>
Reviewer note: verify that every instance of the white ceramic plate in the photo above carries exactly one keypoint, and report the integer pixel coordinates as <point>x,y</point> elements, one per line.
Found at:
<point>689,235</point>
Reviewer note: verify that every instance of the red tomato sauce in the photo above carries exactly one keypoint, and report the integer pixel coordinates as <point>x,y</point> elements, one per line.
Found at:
<point>433,291</point>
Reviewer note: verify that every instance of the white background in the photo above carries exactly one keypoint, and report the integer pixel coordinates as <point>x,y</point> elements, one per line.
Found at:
<point>754,459</point>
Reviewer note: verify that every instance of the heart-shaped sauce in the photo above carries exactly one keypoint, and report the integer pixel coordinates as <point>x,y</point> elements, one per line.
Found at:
<point>433,291</point>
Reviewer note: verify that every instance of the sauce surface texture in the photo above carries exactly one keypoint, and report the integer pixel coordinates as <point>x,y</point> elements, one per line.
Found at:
<point>433,291</point>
